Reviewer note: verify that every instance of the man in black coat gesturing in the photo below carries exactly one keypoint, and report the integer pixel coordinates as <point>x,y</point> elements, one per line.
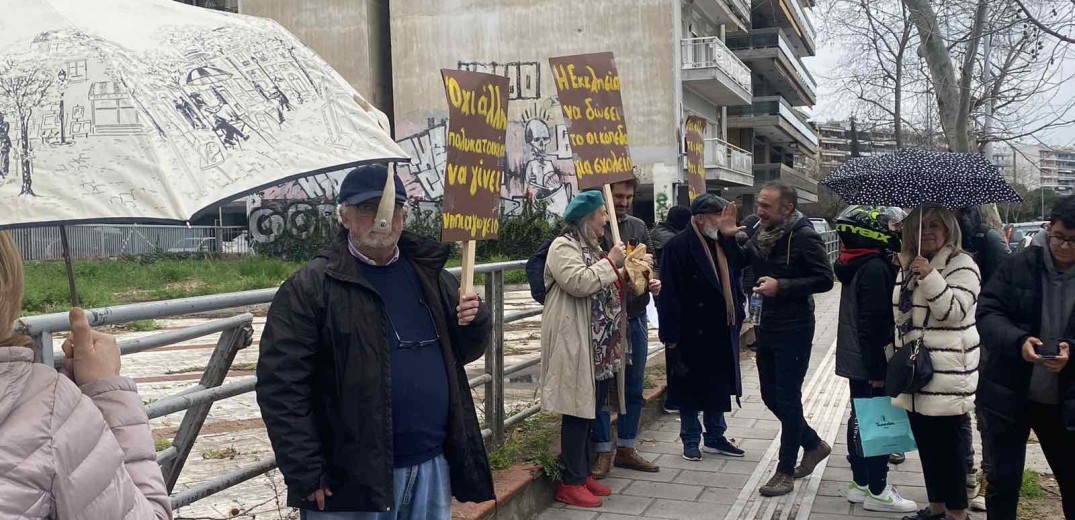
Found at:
<point>1026,318</point>
<point>360,375</point>
<point>699,309</point>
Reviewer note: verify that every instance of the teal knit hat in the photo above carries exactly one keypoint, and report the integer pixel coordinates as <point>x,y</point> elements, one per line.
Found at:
<point>583,204</point>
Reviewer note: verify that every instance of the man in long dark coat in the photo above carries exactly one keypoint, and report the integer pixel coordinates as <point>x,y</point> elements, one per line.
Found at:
<point>700,311</point>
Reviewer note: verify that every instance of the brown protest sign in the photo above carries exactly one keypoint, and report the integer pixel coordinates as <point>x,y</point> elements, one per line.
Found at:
<point>477,124</point>
<point>695,140</point>
<point>589,90</point>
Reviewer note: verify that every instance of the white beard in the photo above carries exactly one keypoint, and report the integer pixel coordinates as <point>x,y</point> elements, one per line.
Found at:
<point>713,233</point>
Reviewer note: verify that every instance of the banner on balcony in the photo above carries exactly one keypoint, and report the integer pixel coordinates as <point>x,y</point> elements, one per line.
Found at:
<point>694,138</point>
<point>589,89</point>
<point>477,125</point>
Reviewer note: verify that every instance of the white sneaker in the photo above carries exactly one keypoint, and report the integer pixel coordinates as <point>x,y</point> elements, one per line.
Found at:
<point>889,501</point>
<point>856,494</point>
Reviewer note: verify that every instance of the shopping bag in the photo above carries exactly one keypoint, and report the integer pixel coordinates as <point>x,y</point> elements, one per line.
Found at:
<point>883,429</point>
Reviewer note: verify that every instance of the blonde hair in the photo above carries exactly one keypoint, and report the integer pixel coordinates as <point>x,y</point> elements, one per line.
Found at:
<point>912,228</point>
<point>11,292</point>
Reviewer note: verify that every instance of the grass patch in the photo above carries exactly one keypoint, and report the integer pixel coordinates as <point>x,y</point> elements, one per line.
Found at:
<point>220,454</point>
<point>103,283</point>
<point>530,442</point>
<point>143,325</point>
<point>1032,487</point>
<point>162,444</point>
<point>184,370</point>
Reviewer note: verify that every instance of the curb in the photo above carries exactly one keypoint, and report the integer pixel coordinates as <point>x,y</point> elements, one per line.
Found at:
<point>523,492</point>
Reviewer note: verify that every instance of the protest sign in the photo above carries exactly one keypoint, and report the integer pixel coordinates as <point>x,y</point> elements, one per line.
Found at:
<point>695,141</point>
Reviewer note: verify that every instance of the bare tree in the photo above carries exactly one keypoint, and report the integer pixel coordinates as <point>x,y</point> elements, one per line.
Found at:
<point>25,85</point>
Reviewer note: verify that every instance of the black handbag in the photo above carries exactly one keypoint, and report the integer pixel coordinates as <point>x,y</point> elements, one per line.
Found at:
<point>910,368</point>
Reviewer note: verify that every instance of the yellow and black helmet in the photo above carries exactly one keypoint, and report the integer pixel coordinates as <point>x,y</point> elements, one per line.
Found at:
<point>869,227</point>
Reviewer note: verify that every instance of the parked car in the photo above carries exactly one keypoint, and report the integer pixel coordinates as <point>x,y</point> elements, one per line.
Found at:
<point>1020,234</point>
<point>194,245</point>
<point>821,225</point>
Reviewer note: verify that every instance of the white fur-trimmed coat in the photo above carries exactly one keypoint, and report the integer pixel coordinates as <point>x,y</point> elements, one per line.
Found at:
<point>951,293</point>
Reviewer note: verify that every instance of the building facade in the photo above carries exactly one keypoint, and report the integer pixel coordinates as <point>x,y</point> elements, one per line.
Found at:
<point>835,139</point>
<point>1058,169</point>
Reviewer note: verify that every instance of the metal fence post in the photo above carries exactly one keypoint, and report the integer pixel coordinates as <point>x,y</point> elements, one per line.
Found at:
<point>494,358</point>
<point>231,341</point>
<point>44,346</point>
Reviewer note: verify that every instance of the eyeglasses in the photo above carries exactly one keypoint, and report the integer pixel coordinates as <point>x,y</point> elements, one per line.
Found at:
<point>417,344</point>
<point>1059,241</point>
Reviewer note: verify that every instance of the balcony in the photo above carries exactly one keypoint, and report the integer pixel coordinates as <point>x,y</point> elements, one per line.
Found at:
<point>735,14</point>
<point>790,15</point>
<point>806,186</point>
<point>728,164</point>
<point>769,55</point>
<point>713,71</point>
<point>773,118</point>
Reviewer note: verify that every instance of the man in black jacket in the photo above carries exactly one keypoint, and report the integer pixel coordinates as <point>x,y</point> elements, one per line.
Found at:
<point>360,376</point>
<point>791,263</point>
<point>1026,318</point>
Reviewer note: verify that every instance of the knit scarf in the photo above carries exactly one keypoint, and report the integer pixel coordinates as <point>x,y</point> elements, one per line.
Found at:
<point>767,238</point>
<point>720,269</point>
<point>606,313</point>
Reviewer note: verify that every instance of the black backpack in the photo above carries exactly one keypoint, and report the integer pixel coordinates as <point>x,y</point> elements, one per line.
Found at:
<point>535,271</point>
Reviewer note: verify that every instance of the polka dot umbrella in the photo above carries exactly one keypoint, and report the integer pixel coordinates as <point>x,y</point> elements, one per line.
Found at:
<point>910,178</point>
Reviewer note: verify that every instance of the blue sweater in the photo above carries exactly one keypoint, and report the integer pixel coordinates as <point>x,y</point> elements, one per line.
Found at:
<point>419,377</point>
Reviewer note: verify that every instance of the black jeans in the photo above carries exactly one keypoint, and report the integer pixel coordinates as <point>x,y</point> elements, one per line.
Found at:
<point>783,359</point>
<point>867,471</point>
<point>1008,451</point>
<point>577,450</point>
<point>941,445</point>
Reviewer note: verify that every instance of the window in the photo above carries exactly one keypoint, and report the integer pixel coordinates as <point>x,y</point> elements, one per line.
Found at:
<point>76,71</point>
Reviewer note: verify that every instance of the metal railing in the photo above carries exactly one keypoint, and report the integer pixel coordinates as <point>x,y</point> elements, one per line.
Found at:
<point>710,52</point>
<point>776,106</point>
<point>722,154</point>
<point>774,37</point>
<point>110,241</point>
<point>236,333</point>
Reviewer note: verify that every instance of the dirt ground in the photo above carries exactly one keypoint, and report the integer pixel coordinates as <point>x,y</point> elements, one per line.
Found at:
<point>1044,508</point>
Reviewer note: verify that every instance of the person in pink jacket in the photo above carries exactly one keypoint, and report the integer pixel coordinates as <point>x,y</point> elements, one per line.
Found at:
<point>76,445</point>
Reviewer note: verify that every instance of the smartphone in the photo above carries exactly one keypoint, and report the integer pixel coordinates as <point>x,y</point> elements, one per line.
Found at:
<point>1049,348</point>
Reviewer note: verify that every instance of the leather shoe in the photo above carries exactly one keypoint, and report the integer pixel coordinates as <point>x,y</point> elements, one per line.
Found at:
<point>602,466</point>
<point>628,458</point>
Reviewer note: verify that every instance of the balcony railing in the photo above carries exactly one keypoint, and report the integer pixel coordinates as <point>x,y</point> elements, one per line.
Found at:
<point>721,154</point>
<point>776,106</point>
<point>774,38</point>
<point>802,19</point>
<point>710,52</point>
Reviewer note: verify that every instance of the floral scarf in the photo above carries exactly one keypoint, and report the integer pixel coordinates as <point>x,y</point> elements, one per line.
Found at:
<point>606,315</point>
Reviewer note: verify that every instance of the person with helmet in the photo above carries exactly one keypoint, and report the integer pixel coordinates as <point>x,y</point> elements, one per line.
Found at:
<point>866,328</point>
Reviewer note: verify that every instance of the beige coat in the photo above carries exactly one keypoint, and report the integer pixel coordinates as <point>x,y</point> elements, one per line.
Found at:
<point>70,453</point>
<point>950,292</point>
<point>567,365</point>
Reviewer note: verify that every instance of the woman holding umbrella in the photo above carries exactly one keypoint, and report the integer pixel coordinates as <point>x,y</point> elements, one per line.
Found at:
<point>935,300</point>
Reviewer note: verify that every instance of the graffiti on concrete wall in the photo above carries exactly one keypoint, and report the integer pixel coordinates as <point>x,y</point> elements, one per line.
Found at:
<point>524,77</point>
<point>424,175</point>
<point>297,219</point>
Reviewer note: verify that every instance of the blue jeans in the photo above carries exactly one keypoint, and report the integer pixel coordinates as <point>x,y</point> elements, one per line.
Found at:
<point>421,492</point>
<point>690,430</point>
<point>627,426</point>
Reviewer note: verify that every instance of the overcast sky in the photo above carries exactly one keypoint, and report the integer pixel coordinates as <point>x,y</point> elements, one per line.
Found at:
<point>829,106</point>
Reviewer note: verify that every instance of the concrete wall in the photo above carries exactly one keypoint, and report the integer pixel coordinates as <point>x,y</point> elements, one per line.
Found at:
<point>351,35</point>
<point>516,38</point>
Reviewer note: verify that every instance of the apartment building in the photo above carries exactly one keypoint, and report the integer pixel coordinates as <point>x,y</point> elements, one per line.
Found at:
<point>734,63</point>
<point>1058,169</point>
<point>835,140</point>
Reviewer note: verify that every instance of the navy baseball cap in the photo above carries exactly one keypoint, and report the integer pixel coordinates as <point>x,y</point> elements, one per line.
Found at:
<point>367,183</point>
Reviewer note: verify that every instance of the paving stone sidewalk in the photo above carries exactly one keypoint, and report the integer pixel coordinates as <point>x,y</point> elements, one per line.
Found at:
<point>722,487</point>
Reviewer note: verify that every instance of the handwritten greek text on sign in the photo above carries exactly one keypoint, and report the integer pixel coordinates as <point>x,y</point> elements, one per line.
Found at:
<point>477,123</point>
<point>589,90</point>
<point>695,140</point>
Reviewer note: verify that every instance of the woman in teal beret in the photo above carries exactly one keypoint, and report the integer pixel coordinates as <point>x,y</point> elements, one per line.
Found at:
<point>583,344</point>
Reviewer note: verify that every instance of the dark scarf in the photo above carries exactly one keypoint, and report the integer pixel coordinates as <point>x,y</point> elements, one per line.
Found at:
<point>766,238</point>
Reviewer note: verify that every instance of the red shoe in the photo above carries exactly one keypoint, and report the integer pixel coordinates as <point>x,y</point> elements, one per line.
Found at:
<point>577,496</point>
<point>596,488</point>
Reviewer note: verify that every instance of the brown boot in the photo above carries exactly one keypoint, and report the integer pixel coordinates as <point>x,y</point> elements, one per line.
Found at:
<point>780,485</point>
<point>601,467</point>
<point>811,459</point>
<point>628,458</point>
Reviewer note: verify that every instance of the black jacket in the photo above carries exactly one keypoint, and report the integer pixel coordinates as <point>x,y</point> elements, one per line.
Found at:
<point>660,236</point>
<point>324,380</point>
<point>801,264</point>
<point>985,244</point>
<point>1010,311</point>
<point>632,231</point>
<point>866,323</point>
<point>692,315</point>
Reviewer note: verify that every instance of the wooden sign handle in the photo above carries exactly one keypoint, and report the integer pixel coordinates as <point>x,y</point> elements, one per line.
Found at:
<point>467,277</point>
<point>612,220</point>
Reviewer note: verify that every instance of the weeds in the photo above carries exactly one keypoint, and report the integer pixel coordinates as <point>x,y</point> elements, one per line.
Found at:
<point>1031,487</point>
<point>162,444</point>
<point>530,442</point>
<point>221,454</point>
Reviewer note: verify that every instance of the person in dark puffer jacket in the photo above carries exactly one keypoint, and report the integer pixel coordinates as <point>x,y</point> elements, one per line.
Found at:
<point>866,328</point>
